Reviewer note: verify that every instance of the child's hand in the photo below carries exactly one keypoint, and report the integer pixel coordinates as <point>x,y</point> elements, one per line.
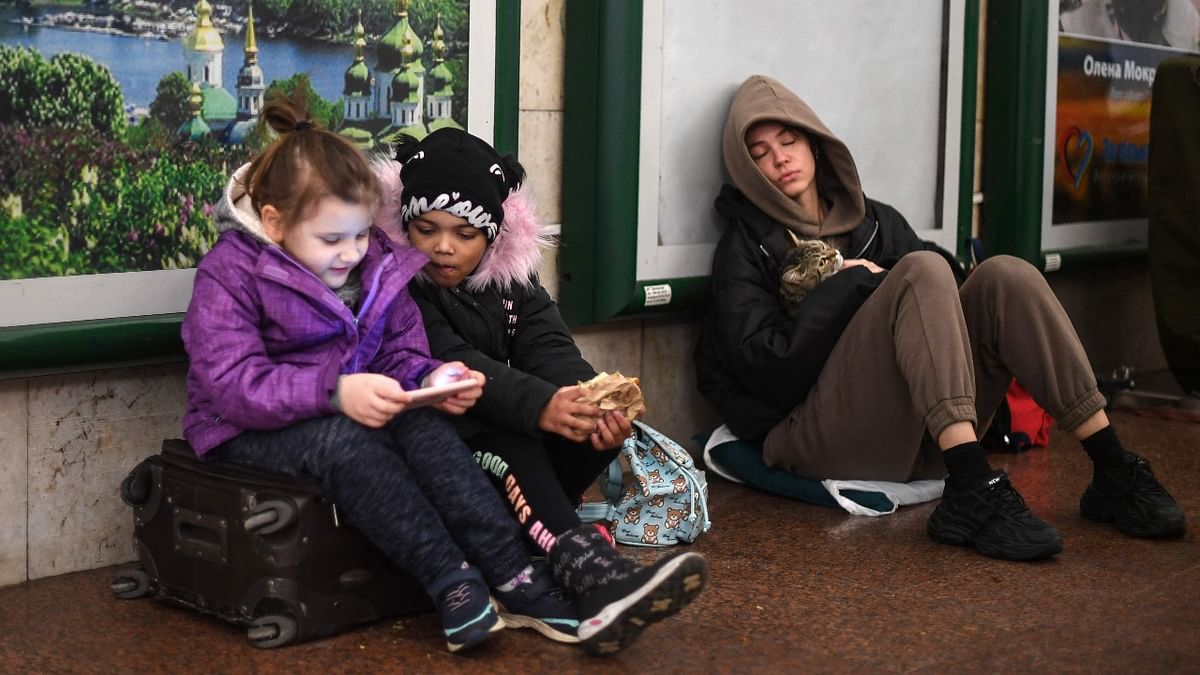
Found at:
<point>460,402</point>
<point>447,373</point>
<point>371,399</point>
<point>567,418</point>
<point>611,431</point>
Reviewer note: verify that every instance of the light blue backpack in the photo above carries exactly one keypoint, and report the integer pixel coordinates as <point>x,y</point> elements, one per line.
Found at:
<point>668,500</point>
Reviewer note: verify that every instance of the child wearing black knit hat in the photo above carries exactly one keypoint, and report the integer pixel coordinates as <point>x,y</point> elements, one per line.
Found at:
<point>453,197</point>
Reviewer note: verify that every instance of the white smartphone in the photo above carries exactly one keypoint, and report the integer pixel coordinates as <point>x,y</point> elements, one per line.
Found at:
<point>436,394</point>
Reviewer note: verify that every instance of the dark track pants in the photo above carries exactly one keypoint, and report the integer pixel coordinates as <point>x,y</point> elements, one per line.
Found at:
<point>542,479</point>
<point>411,487</point>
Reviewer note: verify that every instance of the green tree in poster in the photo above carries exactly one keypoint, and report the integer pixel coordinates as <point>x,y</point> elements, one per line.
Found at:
<point>323,16</point>
<point>69,90</point>
<point>455,19</point>
<point>328,114</point>
<point>172,101</point>
<point>271,11</point>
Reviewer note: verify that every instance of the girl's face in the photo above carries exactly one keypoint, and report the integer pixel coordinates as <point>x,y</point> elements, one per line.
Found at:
<point>330,243</point>
<point>454,247</point>
<point>784,156</point>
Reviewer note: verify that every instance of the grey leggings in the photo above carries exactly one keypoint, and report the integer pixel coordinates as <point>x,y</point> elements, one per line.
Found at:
<point>411,487</point>
<point>922,354</point>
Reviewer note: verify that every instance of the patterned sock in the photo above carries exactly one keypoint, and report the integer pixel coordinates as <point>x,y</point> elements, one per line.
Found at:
<point>524,577</point>
<point>584,559</point>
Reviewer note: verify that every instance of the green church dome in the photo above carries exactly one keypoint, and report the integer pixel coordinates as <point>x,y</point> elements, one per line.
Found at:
<point>399,39</point>
<point>439,80</point>
<point>406,86</point>
<point>218,103</point>
<point>194,128</point>
<point>358,80</point>
<point>358,76</point>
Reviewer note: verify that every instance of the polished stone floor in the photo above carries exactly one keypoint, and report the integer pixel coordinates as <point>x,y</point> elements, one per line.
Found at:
<point>793,588</point>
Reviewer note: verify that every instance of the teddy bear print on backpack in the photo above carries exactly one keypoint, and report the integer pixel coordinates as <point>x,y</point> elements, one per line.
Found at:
<point>664,504</point>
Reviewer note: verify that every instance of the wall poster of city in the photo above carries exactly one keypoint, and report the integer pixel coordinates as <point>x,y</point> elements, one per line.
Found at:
<point>120,121</point>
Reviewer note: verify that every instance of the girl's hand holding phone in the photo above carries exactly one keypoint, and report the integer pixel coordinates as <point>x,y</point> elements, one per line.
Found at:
<point>451,373</point>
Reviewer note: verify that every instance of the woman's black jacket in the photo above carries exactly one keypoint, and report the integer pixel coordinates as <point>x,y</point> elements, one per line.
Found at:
<point>757,358</point>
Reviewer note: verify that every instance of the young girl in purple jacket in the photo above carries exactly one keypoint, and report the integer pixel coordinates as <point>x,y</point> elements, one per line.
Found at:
<point>305,347</point>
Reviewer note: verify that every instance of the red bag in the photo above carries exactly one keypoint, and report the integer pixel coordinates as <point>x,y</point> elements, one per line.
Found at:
<point>1020,423</point>
<point>1028,417</point>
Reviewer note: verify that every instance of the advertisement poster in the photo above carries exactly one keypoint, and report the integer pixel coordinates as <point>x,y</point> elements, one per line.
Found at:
<point>1108,53</point>
<point>121,120</point>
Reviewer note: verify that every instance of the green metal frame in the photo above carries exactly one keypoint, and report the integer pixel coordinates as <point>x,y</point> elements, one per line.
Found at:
<point>508,76</point>
<point>602,104</point>
<point>29,350</point>
<point>1014,128</point>
<point>1014,140</point>
<point>598,252</point>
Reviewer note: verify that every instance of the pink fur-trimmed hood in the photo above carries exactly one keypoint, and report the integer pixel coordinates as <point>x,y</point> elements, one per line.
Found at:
<point>513,258</point>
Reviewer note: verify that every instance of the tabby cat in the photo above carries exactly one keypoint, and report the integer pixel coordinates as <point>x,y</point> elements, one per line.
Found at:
<point>808,264</point>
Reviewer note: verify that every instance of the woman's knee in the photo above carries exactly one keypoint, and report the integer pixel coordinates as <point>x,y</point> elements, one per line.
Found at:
<point>1005,271</point>
<point>1006,268</point>
<point>924,268</point>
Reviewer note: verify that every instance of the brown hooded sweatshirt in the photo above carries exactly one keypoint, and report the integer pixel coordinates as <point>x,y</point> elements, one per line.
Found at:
<point>761,98</point>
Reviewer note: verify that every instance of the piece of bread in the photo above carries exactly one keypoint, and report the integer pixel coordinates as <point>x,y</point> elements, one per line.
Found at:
<point>615,392</point>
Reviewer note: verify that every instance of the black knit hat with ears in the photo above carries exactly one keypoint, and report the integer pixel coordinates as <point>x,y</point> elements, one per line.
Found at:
<point>451,170</point>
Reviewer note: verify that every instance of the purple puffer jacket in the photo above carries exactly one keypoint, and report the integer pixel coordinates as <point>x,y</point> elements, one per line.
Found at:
<point>267,339</point>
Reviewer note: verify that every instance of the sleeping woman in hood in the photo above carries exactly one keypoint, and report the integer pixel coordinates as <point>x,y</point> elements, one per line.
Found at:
<point>887,369</point>
<point>455,199</point>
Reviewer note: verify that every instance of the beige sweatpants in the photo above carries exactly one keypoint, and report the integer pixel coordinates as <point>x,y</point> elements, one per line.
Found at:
<point>921,354</point>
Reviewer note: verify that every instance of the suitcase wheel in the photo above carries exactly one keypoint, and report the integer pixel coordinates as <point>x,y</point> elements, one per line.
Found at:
<point>131,582</point>
<point>269,517</point>
<point>272,630</point>
<point>135,489</point>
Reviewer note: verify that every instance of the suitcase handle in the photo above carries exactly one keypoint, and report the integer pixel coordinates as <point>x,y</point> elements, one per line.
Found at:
<point>200,535</point>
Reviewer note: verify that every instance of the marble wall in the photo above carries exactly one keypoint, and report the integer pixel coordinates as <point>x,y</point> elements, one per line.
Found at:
<point>66,441</point>
<point>14,479</point>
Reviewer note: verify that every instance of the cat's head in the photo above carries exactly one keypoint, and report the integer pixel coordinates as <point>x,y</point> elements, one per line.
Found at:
<point>808,264</point>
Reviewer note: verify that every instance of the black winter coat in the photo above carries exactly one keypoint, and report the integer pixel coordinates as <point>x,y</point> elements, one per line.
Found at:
<point>757,358</point>
<point>517,338</point>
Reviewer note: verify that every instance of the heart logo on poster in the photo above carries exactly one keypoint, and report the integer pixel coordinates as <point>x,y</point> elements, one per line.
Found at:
<point>1076,154</point>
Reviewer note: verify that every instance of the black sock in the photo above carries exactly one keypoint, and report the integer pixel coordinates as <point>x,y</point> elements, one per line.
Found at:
<point>1104,448</point>
<point>967,464</point>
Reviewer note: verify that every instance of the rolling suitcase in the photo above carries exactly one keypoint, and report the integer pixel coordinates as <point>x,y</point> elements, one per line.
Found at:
<point>257,549</point>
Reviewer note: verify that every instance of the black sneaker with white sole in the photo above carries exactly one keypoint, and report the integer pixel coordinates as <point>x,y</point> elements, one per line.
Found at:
<point>541,605</point>
<point>1129,496</point>
<point>993,518</point>
<point>465,608</point>
<point>612,616</point>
